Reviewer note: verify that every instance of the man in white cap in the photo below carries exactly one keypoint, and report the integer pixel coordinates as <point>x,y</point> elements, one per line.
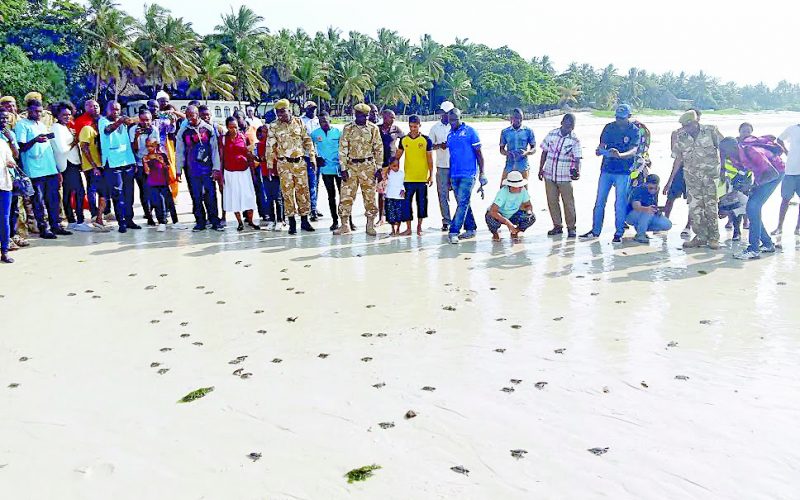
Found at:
<point>438,136</point>
<point>251,118</point>
<point>511,207</point>
<point>311,122</point>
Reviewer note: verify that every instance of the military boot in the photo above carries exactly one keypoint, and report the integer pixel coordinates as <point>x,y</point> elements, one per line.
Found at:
<point>371,226</point>
<point>292,225</point>
<point>305,225</point>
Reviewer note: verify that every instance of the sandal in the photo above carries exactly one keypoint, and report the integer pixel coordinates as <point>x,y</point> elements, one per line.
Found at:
<point>240,227</point>
<point>5,259</point>
<point>255,227</point>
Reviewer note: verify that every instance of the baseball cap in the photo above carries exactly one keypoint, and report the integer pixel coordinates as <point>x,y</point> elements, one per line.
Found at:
<point>309,104</point>
<point>623,111</point>
<point>446,106</point>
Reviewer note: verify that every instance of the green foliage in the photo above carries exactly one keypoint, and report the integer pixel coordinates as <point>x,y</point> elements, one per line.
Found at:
<point>19,75</point>
<point>197,394</point>
<point>362,473</point>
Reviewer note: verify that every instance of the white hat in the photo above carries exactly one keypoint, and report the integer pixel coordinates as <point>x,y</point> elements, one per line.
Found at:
<point>162,95</point>
<point>447,106</point>
<point>515,179</point>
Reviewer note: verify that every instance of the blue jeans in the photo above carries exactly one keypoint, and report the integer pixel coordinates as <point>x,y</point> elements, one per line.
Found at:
<point>73,184</point>
<point>158,201</point>
<point>128,181</point>
<point>758,196</point>
<point>91,191</point>
<point>46,198</point>
<point>113,189</point>
<point>5,219</point>
<point>204,200</point>
<point>261,197</point>
<point>462,187</point>
<point>274,198</point>
<point>313,184</point>
<point>144,193</point>
<point>443,187</point>
<point>644,222</point>
<point>621,184</point>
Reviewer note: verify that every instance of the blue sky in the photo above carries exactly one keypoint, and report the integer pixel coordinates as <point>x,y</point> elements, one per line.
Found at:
<point>720,37</point>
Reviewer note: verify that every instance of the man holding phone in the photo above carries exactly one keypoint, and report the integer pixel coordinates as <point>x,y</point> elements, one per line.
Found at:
<point>39,163</point>
<point>118,164</point>
<point>140,135</point>
<point>644,213</point>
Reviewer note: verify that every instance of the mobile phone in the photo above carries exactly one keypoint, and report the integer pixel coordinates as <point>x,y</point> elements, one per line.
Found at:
<point>51,135</point>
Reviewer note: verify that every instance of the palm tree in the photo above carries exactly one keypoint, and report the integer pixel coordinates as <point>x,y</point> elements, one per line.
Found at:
<point>607,88</point>
<point>459,86</point>
<point>431,57</point>
<point>168,46</point>
<point>247,61</point>
<point>213,77</point>
<point>311,77</point>
<point>632,87</point>
<point>352,82</point>
<point>241,25</point>
<point>110,52</point>
<point>568,94</point>
<point>394,82</point>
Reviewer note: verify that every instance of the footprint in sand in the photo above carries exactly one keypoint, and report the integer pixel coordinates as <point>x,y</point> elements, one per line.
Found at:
<point>258,311</point>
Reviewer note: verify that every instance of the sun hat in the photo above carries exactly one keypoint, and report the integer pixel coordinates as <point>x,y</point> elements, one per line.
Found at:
<point>515,179</point>
<point>446,106</point>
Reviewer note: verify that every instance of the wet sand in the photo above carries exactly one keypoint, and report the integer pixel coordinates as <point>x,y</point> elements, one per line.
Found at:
<point>608,329</point>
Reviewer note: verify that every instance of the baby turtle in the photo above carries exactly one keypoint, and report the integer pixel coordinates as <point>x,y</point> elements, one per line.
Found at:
<point>381,335</point>
<point>163,275</point>
<point>606,389</point>
<point>150,287</point>
<point>307,266</point>
<point>238,262</point>
<point>258,311</point>
<point>284,270</point>
<point>540,385</point>
<point>449,308</point>
<point>429,388</point>
<point>781,283</point>
<point>185,323</point>
<point>220,302</point>
<point>518,453</point>
<point>71,294</point>
<point>598,451</point>
<point>89,291</point>
<point>155,365</point>
<point>199,287</point>
<point>162,371</point>
<point>290,289</point>
<point>323,355</point>
<point>96,297</point>
<point>262,332</point>
<point>154,321</point>
<point>516,327</point>
<point>13,385</point>
<point>277,360</point>
<point>370,306</point>
<point>210,292</point>
<point>23,359</point>
<point>705,321</point>
<point>165,349</point>
<point>410,414</point>
<point>507,389</point>
<point>460,470</point>
<point>515,381</point>
<point>430,332</point>
<point>167,311</point>
<point>500,350</point>
<point>366,359</point>
<point>291,319</point>
<point>198,344</point>
<point>248,265</point>
<point>379,385</point>
<point>560,350</point>
<point>254,456</point>
<point>594,294</point>
<point>644,384</point>
<point>284,279</point>
<point>672,344</point>
<point>366,335</point>
<point>132,275</point>
<point>245,376</point>
<point>184,335</point>
<point>238,371</point>
<point>299,293</point>
<point>558,318</point>
<point>681,377</point>
<point>386,425</point>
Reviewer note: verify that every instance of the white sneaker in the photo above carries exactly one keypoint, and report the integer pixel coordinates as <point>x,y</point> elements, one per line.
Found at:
<point>161,228</point>
<point>270,226</point>
<point>82,227</point>
<point>453,239</point>
<point>279,226</point>
<point>746,254</point>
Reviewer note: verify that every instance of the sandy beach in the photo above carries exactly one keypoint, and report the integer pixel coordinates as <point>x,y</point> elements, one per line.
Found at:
<point>682,364</point>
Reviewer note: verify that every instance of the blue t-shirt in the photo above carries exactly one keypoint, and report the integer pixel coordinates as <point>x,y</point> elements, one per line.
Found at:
<point>508,203</point>
<point>327,145</point>
<point>39,160</point>
<point>517,140</point>
<point>623,139</point>
<point>643,196</point>
<point>115,148</point>
<point>462,143</point>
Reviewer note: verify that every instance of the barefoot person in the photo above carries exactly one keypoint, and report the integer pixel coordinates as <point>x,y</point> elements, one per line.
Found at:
<point>438,134</point>
<point>390,134</point>
<point>696,148</point>
<point>559,166</point>
<point>790,140</point>
<point>517,142</point>
<point>644,213</point>
<point>466,163</point>
<point>360,154</point>
<point>292,144</point>
<point>398,208</point>
<point>418,168</point>
<point>619,143</point>
<point>511,207</point>
<point>239,195</point>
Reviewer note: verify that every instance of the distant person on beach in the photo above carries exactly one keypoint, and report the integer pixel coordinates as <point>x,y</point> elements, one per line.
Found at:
<point>268,169</point>
<point>326,140</point>
<point>438,134</point>
<point>644,213</point>
<point>418,167</point>
<point>619,143</point>
<point>696,149</point>
<point>511,207</point>
<point>239,196</point>
<point>119,164</point>
<point>466,163</point>
<point>7,165</point>
<point>68,158</point>
<point>390,135</point>
<point>560,164</point>
<point>311,122</point>
<point>790,140</point>
<point>252,119</point>
<point>517,142</point>
<point>360,156</point>
<point>398,206</point>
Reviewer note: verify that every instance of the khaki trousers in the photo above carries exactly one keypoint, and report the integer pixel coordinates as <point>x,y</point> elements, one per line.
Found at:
<point>560,191</point>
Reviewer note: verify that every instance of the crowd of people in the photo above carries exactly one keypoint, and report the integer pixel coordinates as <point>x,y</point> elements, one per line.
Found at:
<point>56,164</point>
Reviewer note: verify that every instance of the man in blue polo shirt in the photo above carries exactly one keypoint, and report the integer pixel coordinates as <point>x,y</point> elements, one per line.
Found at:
<point>618,146</point>
<point>39,163</point>
<point>119,163</point>
<point>517,142</point>
<point>466,160</point>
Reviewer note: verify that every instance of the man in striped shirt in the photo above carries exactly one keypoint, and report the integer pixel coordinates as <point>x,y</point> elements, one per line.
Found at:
<point>559,166</point>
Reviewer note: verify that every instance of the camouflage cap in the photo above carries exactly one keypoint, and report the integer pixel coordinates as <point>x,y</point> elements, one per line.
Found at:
<point>361,108</point>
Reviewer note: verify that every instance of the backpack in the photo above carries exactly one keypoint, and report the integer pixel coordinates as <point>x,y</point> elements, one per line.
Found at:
<point>762,156</point>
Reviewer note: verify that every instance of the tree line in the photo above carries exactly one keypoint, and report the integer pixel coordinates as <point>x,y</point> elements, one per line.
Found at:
<point>66,50</point>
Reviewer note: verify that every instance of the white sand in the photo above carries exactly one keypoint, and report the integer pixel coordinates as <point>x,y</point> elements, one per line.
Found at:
<point>92,420</point>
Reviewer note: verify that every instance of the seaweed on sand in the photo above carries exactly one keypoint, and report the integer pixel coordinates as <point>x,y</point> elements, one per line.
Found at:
<point>199,393</point>
<point>362,473</point>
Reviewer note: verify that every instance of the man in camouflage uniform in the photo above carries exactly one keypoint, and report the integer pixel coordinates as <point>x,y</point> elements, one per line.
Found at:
<point>360,154</point>
<point>697,148</point>
<point>292,143</point>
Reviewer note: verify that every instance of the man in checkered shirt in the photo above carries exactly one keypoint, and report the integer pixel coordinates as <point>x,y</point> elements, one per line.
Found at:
<point>559,166</point>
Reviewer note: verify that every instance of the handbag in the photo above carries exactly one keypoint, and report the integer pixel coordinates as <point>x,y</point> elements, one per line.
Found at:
<point>22,185</point>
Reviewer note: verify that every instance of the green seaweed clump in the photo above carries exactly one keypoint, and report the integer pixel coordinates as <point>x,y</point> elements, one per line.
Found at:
<point>362,473</point>
<point>199,393</point>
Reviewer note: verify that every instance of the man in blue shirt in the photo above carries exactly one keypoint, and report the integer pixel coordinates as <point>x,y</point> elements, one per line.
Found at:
<point>326,141</point>
<point>644,213</point>
<point>619,142</point>
<point>39,163</point>
<point>466,160</point>
<point>517,142</point>
<point>119,164</point>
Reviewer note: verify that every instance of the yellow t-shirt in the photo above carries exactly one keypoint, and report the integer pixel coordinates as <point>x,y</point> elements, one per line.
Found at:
<point>415,151</point>
<point>90,136</point>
